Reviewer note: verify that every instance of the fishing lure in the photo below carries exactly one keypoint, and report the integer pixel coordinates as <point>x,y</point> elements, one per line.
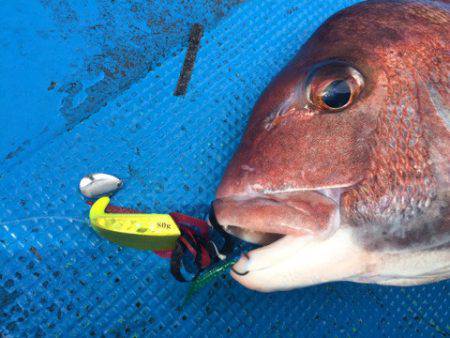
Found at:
<point>176,236</point>
<point>191,244</point>
<point>207,277</point>
<point>99,184</point>
<point>135,230</point>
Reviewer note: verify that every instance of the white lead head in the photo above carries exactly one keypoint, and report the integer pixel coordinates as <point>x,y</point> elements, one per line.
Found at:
<point>95,185</point>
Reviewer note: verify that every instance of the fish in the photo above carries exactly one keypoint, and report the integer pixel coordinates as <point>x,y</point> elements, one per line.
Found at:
<point>343,171</point>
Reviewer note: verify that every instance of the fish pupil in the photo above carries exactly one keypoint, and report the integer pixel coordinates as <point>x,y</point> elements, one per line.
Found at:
<point>337,94</point>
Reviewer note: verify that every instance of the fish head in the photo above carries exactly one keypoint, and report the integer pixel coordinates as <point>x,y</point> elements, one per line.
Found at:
<point>301,179</point>
<point>299,137</point>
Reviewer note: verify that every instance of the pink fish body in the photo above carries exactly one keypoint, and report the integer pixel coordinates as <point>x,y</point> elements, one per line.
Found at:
<point>343,172</point>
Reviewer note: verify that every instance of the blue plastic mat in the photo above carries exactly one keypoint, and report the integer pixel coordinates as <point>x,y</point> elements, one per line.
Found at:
<point>64,119</point>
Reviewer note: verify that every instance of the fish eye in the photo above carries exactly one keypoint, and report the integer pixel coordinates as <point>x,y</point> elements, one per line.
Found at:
<point>337,94</point>
<point>333,86</point>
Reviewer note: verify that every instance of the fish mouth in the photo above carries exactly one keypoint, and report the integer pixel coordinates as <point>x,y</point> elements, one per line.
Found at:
<point>281,222</point>
<point>263,218</point>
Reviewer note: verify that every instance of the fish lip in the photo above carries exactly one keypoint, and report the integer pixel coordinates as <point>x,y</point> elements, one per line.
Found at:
<point>331,193</point>
<point>238,271</point>
<point>279,250</point>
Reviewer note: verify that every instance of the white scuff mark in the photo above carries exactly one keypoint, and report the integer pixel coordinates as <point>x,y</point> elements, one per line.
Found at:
<point>247,168</point>
<point>443,111</point>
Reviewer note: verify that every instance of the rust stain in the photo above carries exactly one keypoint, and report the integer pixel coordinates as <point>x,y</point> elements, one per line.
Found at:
<point>188,65</point>
<point>35,252</point>
<point>52,85</point>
